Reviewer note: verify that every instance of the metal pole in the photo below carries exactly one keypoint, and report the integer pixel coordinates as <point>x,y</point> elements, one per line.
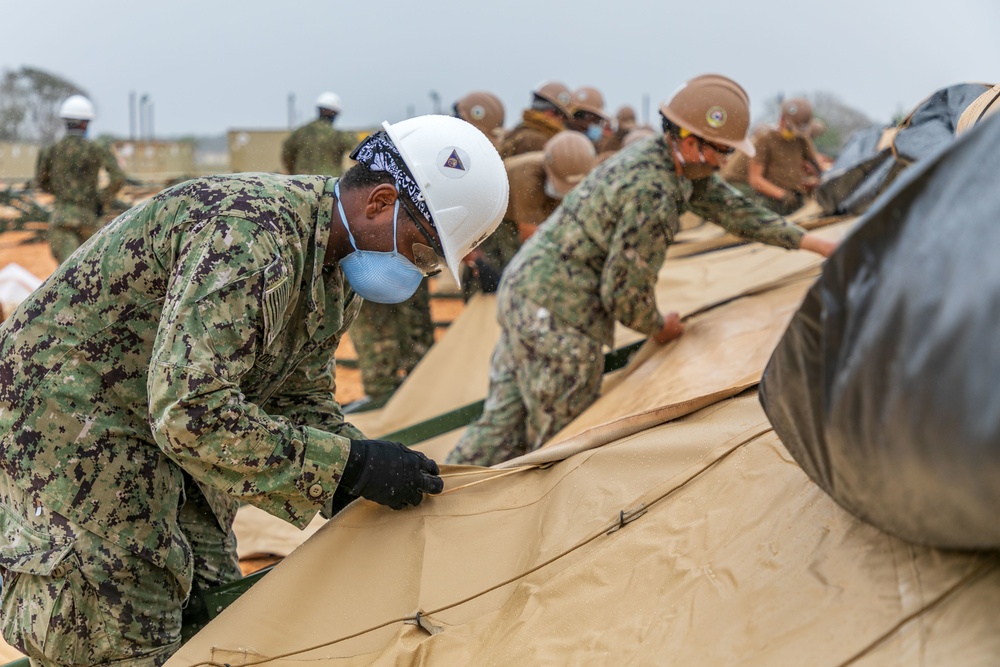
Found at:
<point>131,115</point>
<point>291,110</point>
<point>142,115</point>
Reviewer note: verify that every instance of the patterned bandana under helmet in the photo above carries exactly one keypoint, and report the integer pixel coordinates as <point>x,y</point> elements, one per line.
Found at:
<point>378,153</point>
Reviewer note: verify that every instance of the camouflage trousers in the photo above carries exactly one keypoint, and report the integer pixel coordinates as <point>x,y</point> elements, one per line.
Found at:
<point>71,597</point>
<point>543,374</point>
<point>391,339</point>
<point>69,228</point>
<point>779,206</point>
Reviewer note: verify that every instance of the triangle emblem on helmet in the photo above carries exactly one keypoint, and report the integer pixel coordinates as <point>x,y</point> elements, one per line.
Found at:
<point>454,162</point>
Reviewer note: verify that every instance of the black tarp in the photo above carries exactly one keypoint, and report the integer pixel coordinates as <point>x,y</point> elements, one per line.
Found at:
<point>886,386</point>
<point>862,172</point>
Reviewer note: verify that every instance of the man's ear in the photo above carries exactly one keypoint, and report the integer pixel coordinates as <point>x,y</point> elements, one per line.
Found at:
<point>690,142</point>
<point>382,196</point>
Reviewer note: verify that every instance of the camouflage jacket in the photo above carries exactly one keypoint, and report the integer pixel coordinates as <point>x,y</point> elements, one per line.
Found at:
<point>595,259</point>
<point>193,335</point>
<point>316,148</point>
<point>70,169</point>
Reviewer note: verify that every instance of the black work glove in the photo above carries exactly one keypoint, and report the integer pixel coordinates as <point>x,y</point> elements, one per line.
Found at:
<point>389,474</point>
<point>489,277</point>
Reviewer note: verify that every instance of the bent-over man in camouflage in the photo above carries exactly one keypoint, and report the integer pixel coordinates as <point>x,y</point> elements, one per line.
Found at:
<point>182,362</point>
<point>595,261</point>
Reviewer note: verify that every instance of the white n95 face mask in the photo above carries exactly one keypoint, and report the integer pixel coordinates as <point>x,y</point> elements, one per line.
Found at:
<point>379,276</point>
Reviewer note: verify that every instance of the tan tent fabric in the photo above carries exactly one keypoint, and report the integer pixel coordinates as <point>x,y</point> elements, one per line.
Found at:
<point>733,557</point>
<point>8,654</point>
<point>454,372</point>
<point>722,353</point>
<point>260,534</point>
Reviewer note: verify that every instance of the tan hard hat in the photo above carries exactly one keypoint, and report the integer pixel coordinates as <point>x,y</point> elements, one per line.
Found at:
<point>797,113</point>
<point>715,108</point>
<point>569,156</point>
<point>625,118</point>
<point>484,110</point>
<point>555,94</point>
<point>587,98</point>
<point>636,134</point>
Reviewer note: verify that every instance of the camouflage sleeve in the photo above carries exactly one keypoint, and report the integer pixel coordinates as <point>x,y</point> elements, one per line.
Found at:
<point>43,170</point>
<point>116,177</point>
<point>724,205</point>
<point>635,254</point>
<point>225,292</point>
<point>308,396</point>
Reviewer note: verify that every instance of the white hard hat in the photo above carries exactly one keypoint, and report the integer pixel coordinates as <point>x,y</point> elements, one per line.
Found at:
<point>76,107</point>
<point>329,101</point>
<point>461,177</point>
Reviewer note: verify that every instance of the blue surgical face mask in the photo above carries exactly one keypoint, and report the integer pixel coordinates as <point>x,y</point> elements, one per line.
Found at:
<point>595,131</point>
<point>382,277</point>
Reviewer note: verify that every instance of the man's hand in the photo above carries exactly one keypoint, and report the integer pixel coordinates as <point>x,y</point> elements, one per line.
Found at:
<point>390,474</point>
<point>790,198</point>
<point>818,245</point>
<point>672,328</point>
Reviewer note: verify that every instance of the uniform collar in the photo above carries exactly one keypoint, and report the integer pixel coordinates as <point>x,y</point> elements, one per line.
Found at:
<point>324,223</point>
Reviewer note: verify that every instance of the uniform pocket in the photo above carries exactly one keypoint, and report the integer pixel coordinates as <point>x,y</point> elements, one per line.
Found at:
<point>60,615</point>
<point>26,549</point>
<point>35,566</point>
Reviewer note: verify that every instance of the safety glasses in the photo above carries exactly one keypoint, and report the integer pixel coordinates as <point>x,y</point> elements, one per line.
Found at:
<point>721,150</point>
<point>425,259</point>
<point>432,254</point>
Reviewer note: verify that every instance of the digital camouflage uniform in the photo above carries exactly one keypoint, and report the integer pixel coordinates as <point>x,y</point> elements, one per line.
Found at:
<point>391,339</point>
<point>70,170</point>
<point>593,262</point>
<point>317,148</point>
<point>179,364</point>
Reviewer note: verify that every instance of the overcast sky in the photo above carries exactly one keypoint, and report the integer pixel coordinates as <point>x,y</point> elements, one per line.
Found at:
<point>209,66</point>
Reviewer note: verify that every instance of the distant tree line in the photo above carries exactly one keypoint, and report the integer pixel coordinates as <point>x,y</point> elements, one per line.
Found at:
<point>29,104</point>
